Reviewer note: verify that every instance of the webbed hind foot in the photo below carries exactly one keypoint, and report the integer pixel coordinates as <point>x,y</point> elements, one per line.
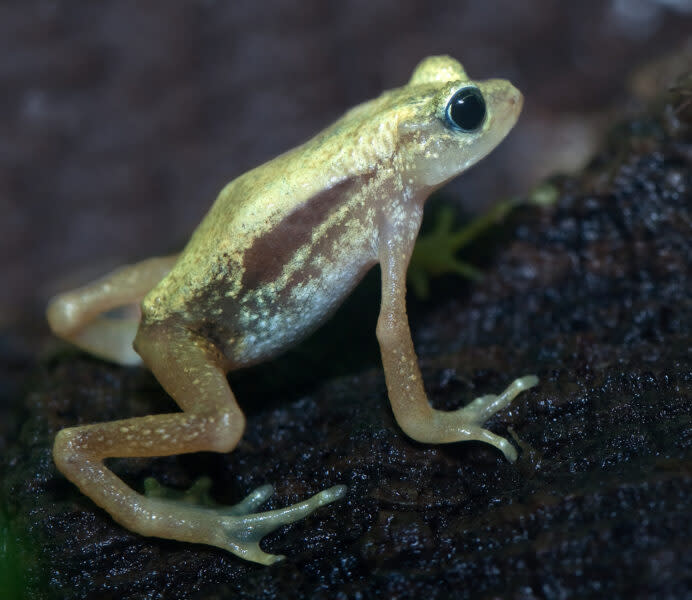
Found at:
<point>234,528</point>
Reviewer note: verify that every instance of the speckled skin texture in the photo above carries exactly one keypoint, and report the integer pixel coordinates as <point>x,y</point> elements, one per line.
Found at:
<point>276,254</point>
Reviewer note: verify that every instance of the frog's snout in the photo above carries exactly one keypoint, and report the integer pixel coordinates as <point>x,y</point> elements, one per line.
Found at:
<point>517,99</point>
<point>514,101</point>
<point>503,96</point>
<point>514,98</point>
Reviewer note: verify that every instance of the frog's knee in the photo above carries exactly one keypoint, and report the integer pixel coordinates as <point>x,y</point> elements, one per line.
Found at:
<point>62,314</point>
<point>67,450</point>
<point>223,430</point>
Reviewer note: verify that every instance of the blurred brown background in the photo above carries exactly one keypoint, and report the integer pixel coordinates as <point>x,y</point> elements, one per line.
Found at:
<point>121,120</point>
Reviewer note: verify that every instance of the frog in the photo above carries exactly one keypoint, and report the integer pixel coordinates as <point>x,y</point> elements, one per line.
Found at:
<point>278,251</point>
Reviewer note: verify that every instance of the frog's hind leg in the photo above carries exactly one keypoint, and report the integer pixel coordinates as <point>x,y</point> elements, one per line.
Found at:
<point>80,316</point>
<point>192,372</point>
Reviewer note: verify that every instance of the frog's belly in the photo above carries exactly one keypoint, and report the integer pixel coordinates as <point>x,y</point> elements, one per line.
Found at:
<point>269,320</point>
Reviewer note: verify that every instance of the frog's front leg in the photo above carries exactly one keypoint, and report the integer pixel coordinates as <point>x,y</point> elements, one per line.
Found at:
<point>190,370</point>
<point>407,396</point>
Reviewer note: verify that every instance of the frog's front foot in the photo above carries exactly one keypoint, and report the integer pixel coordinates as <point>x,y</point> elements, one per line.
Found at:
<point>236,528</point>
<point>465,424</point>
<point>474,414</point>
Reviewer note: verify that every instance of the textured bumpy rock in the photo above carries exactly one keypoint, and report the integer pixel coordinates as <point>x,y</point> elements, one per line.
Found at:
<point>592,294</point>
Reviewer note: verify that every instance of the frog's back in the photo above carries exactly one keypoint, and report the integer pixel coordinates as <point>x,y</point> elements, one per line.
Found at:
<point>264,200</point>
<point>278,251</point>
<point>216,250</point>
<point>284,243</point>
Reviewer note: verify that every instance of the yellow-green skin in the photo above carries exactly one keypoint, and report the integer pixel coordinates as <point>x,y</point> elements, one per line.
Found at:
<point>286,242</point>
<point>279,250</point>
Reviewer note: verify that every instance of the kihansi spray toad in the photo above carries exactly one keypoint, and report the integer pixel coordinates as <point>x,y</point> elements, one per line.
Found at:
<point>278,251</point>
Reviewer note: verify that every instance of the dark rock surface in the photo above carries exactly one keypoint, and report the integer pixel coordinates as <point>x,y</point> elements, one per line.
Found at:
<point>592,294</point>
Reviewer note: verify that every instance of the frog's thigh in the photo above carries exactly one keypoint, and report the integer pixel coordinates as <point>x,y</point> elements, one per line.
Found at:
<point>78,315</point>
<point>212,421</point>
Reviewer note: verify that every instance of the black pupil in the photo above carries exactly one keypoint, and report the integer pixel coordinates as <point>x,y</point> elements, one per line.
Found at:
<point>466,109</point>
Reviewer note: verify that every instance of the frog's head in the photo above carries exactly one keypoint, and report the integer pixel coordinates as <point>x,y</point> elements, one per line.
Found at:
<point>450,121</point>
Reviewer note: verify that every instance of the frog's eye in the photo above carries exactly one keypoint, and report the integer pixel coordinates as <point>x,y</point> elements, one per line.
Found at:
<point>466,109</point>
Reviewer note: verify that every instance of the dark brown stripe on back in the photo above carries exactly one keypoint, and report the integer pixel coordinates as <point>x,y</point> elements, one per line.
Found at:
<point>265,259</point>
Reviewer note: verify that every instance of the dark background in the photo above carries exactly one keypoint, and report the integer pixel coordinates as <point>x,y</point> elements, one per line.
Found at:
<point>120,120</point>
